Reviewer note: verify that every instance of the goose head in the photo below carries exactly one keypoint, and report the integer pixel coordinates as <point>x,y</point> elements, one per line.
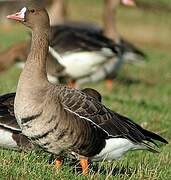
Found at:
<point>31,17</point>
<point>128,2</point>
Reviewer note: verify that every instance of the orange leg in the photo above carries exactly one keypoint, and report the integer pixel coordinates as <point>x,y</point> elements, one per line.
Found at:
<point>84,165</point>
<point>58,162</point>
<point>109,84</point>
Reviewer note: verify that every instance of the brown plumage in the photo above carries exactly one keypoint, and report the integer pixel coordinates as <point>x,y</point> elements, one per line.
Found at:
<point>60,118</point>
<point>11,135</point>
<point>93,93</point>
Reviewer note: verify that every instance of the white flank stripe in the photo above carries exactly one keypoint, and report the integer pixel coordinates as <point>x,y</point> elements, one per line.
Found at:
<point>82,117</point>
<point>9,127</point>
<point>115,147</point>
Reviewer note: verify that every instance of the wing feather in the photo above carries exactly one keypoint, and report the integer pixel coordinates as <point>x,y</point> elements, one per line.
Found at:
<point>115,124</point>
<point>7,117</point>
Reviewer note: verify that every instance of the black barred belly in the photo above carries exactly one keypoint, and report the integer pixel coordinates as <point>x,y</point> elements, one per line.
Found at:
<point>89,144</point>
<point>52,139</point>
<point>92,149</point>
<point>82,138</point>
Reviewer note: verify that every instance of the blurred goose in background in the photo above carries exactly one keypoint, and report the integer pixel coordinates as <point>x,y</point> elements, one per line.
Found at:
<point>87,56</point>
<point>131,53</point>
<point>76,53</point>
<point>58,12</point>
<point>110,68</point>
<point>14,53</point>
<point>59,118</point>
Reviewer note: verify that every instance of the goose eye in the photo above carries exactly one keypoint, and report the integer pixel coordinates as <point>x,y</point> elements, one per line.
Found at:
<point>32,10</point>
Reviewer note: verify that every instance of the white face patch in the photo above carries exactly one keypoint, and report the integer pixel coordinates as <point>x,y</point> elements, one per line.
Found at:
<point>22,13</point>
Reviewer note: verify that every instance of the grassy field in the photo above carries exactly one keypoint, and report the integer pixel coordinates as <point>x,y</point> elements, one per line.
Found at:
<point>140,92</point>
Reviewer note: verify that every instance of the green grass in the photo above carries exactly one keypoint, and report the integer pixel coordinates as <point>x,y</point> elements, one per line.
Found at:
<point>140,92</point>
<point>156,3</point>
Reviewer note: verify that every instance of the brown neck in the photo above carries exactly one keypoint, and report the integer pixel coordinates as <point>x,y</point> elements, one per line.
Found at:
<point>35,68</point>
<point>58,12</point>
<point>109,18</point>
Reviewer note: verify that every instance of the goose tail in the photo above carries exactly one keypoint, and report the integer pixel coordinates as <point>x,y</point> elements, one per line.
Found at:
<point>150,143</point>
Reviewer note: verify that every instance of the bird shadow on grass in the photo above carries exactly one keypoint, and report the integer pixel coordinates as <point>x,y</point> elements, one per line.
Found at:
<point>112,170</point>
<point>101,168</point>
<point>128,81</point>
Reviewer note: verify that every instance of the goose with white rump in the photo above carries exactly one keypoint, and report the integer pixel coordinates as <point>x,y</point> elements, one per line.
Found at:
<point>62,119</point>
<point>86,56</point>
<point>90,45</point>
<point>130,52</point>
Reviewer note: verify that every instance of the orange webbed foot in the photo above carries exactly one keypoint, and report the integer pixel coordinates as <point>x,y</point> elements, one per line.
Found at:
<point>84,166</point>
<point>58,162</point>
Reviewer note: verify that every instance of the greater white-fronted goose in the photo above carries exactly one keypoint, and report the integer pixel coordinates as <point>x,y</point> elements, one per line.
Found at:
<point>60,118</point>
<point>11,136</point>
<point>10,132</point>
